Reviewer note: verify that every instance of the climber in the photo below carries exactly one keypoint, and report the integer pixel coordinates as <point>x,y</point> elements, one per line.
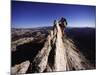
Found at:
<point>63,24</point>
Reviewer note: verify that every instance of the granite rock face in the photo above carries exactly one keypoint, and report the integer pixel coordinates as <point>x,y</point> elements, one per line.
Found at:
<point>20,68</point>
<point>57,54</point>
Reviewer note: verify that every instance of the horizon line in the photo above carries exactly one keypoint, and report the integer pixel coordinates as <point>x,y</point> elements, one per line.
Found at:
<point>52,26</point>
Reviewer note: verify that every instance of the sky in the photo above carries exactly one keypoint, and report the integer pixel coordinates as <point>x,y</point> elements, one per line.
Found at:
<point>35,14</point>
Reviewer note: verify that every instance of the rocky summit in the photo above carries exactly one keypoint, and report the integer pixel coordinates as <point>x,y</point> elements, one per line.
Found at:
<point>56,52</point>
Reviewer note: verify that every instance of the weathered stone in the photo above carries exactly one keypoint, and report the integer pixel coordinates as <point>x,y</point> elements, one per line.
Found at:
<point>20,68</point>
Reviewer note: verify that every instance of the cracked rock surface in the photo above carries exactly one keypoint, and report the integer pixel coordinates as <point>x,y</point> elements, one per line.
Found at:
<point>49,52</point>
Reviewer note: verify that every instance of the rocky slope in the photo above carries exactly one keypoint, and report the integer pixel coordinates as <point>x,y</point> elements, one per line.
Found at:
<point>57,53</point>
